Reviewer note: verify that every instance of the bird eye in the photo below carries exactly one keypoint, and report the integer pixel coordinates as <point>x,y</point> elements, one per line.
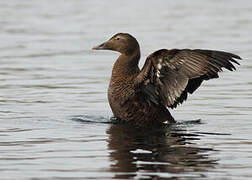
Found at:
<point>117,38</point>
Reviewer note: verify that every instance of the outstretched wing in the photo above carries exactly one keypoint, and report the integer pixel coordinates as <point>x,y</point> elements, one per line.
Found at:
<point>169,75</point>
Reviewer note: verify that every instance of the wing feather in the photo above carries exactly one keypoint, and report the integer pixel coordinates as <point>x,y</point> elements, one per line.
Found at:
<point>169,75</point>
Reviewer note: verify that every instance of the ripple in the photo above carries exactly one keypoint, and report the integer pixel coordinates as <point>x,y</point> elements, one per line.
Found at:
<point>86,119</point>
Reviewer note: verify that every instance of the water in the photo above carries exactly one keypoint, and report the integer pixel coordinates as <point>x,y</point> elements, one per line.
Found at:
<point>54,112</point>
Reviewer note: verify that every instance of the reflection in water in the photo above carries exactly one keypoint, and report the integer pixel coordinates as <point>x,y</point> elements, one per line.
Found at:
<point>155,151</point>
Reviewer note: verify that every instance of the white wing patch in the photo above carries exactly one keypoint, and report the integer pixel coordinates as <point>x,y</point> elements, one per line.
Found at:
<point>159,67</point>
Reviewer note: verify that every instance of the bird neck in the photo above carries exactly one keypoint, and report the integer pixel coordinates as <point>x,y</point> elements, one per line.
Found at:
<point>127,64</point>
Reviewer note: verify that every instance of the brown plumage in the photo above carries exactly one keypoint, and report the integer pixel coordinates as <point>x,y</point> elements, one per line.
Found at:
<point>164,81</point>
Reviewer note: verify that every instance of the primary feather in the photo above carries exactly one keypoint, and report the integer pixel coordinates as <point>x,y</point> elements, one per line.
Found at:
<point>175,73</point>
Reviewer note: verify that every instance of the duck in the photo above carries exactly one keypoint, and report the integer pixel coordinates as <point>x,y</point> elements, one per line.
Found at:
<point>144,96</point>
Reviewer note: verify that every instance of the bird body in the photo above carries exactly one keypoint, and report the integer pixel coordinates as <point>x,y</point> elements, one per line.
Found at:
<point>143,96</point>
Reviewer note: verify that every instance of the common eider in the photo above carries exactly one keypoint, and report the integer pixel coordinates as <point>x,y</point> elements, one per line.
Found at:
<point>168,75</point>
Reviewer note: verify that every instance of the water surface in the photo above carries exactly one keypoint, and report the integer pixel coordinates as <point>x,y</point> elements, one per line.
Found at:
<point>54,114</point>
